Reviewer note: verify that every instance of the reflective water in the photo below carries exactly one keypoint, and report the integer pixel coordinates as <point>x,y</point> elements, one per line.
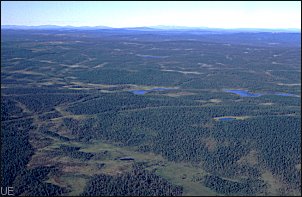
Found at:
<point>285,94</point>
<point>244,93</point>
<point>139,92</point>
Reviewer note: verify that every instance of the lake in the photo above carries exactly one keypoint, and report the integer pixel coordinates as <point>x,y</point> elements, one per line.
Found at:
<point>244,93</point>
<point>286,94</point>
<point>141,92</point>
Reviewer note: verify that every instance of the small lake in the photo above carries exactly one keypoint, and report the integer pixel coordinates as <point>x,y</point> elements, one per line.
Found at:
<point>286,94</point>
<point>244,93</point>
<point>126,159</point>
<point>141,92</point>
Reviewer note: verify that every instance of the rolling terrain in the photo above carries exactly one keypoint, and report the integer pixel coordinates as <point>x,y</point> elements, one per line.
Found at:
<point>133,112</point>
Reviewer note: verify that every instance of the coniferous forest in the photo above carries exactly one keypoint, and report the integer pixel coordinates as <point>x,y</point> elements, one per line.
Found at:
<point>125,112</point>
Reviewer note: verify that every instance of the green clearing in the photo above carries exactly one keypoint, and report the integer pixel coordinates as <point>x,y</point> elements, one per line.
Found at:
<point>75,182</point>
<point>184,174</point>
<point>174,172</point>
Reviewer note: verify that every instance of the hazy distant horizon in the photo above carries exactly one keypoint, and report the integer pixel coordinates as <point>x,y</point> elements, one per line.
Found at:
<point>152,27</point>
<point>225,15</point>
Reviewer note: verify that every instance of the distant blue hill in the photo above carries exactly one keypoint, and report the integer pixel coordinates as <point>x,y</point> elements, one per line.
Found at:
<point>154,28</point>
<point>52,27</point>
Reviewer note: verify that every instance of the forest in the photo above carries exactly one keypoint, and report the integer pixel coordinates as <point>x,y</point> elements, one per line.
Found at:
<point>138,182</point>
<point>131,113</point>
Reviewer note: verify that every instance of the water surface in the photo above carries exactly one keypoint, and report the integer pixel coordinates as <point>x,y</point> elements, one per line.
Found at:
<point>286,94</point>
<point>141,92</point>
<point>244,93</point>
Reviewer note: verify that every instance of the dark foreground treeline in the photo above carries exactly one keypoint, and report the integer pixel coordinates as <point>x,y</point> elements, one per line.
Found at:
<point>16,152</point>
<point>223,186</point>
<point>137,182</point>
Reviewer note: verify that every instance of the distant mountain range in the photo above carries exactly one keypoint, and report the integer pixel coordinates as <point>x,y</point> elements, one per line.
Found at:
<point>51,27</point>
<point>151,28</point>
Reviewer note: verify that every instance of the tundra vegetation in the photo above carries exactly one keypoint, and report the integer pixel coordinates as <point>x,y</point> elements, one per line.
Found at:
<point>126,112</point>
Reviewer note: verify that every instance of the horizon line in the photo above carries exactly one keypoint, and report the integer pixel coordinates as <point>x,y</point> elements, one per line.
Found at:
<point>154,26</point>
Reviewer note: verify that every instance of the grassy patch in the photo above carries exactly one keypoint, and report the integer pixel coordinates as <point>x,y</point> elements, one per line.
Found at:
<point>274,185</point>
<point>184,174</point>
<point>75,182</point>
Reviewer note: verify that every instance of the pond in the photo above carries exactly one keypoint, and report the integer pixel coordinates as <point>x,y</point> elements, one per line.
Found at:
<point>286,94</point>
<point>141,92</point>
<point>126,159</point>
<point>244,93</point>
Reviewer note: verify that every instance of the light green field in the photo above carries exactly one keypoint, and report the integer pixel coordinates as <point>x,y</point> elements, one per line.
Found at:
<point>182,174</point>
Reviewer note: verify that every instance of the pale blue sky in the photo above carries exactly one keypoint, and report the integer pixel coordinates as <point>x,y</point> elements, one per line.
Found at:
<point>218,14</point>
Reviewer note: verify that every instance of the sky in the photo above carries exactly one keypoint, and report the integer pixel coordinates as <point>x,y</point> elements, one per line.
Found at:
<point>215,14</point>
